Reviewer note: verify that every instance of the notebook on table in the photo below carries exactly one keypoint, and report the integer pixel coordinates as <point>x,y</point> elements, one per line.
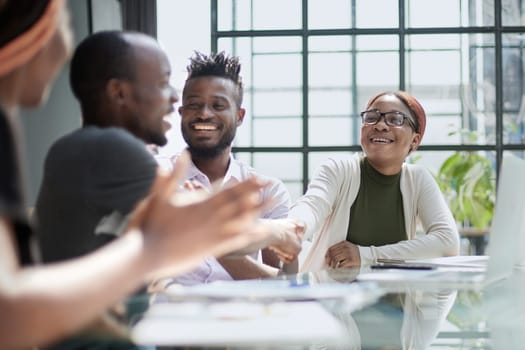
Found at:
<point>507,232</point>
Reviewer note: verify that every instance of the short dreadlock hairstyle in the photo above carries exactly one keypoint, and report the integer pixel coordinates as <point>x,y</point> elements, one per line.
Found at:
<point>218,65</point>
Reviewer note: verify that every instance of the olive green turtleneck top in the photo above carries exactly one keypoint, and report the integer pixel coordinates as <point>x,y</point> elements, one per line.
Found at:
<point>376,216</point>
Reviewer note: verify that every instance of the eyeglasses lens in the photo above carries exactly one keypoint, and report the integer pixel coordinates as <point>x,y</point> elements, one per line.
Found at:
<point>391,119</point>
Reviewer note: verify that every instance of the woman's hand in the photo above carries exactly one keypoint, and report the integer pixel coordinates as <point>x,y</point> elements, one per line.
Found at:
<point>343,254</point>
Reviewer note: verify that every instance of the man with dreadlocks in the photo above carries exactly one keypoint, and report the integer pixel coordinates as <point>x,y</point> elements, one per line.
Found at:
<point>210,113</point>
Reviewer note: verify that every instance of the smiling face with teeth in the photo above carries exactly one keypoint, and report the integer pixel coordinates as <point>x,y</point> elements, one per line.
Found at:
<point>209,115</point>
<point>386,147</point>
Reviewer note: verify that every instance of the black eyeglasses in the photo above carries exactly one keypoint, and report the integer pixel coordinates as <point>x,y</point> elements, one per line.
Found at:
<point>393,118</point>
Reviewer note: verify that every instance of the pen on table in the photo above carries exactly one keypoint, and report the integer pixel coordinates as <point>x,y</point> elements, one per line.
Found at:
<point>400,264</point>
<point>393,261</point>
<point>401,267</point>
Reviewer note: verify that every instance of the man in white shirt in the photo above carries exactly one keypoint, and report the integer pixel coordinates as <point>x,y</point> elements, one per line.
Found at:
<point>210,114</point>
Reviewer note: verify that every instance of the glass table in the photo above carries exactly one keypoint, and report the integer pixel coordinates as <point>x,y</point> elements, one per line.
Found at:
<point>391,317</point>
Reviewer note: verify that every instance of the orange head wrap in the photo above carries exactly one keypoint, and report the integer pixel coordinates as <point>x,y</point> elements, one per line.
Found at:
<point>417,111</point>
<point>27,44</point>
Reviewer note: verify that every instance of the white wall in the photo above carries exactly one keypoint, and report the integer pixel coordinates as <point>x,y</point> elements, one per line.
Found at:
<point>182,27</point>
<point>61,114</point>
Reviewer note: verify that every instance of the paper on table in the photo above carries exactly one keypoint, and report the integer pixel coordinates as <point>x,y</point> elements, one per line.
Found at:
<point>450,272</point>
<point>358,294</point>
<point>238,324</point>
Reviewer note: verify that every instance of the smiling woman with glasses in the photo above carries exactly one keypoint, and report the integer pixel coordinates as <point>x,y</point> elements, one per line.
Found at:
<point>369,206</point>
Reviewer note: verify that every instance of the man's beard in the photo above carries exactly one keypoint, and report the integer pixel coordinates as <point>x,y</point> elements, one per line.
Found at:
<point>210,152</point>
<point>207,153</point>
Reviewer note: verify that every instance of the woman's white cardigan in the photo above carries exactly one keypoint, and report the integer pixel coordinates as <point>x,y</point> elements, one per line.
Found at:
<point>325,209</point>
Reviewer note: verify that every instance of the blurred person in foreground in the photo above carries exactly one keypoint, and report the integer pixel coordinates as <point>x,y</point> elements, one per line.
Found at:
<point>95,175</point>
<point>36,302</point>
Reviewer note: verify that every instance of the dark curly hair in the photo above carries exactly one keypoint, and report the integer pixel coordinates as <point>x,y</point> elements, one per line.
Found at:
<point>219,65</point>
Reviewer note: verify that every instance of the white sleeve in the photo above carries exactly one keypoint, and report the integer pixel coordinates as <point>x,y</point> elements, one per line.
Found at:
<point>317,203</point>
<point>277,192</point>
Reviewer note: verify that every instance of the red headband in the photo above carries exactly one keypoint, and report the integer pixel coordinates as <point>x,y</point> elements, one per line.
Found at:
<point>25,46</point>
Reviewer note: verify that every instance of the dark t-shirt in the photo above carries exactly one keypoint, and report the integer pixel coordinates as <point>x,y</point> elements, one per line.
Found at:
<point>12,201</point>
<point>92,175</point>
<point>377,216</point>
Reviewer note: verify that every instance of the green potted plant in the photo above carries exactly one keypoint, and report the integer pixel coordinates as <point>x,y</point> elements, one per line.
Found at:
<point>468,182</point>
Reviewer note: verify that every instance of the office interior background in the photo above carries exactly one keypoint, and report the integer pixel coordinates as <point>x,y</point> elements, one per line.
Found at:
<point>309,67</point>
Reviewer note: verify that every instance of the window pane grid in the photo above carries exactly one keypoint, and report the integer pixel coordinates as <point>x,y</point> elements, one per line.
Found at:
<point>346,60</point>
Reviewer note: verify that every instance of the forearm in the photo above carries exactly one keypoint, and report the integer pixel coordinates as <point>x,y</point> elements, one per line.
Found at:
<point>431,245</point>
<point>245,267</point>
<point>46,303</point>
<point>304,211</point>
<point>284,235</point>
<point>324,194</point>
<point>253,247</point>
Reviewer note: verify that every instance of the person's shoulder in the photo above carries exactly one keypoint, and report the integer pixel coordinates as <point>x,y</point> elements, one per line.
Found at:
<point>341,162</point>
<point>418,173</point>
<point>67,144</point>
<point>101,143</point>
<point>346,159</point>
<point>247,171</point>
<point>94,135</point>
<point>117,144</point>
<point>114,139</point>
<point>275,189</point>
<point>416,168</point>
<point>115,135</point>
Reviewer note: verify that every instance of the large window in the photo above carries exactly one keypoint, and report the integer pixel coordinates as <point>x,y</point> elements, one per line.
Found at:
<point>309,67</point>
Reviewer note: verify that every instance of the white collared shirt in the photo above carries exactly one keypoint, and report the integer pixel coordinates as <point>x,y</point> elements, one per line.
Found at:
<point>211,270</point>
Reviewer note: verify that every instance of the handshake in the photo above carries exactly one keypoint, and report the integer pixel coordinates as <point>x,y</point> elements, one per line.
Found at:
<point>181,228</point>
<point>283,237</point>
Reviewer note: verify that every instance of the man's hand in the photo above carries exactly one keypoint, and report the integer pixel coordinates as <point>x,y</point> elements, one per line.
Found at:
<point>343,254</point>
